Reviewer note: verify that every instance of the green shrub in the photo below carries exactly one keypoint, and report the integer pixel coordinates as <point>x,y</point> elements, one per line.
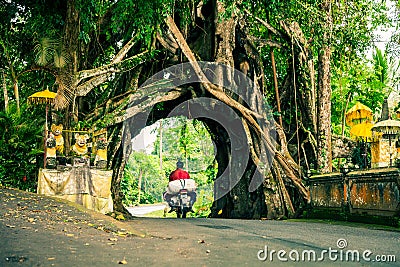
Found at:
<point>21,153</point>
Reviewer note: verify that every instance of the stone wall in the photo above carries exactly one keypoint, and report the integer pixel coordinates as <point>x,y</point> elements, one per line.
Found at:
<point>372,192</point>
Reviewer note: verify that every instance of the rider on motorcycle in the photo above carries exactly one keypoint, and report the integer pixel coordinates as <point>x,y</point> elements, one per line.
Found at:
<point>179,174</point>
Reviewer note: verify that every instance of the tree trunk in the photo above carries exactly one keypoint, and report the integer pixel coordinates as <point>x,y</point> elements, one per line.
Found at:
<point>140,184</point>
<point>161,146</point>
<point>324,112</point>
<point>302,64</point>
<point>13,75</point>
<point>239,202</point>
<point>271,194</point>
<point>324,157</point>
<point>5,93</point>
<point>117,153</point>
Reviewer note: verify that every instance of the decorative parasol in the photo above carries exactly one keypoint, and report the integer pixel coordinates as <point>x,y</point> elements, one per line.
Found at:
<point>44,97</point>
<point>362,130</point>
<point>358,113</point>
<point>390,128</point>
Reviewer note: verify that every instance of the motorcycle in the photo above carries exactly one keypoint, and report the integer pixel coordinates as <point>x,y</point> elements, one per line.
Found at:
<point>180,196</point>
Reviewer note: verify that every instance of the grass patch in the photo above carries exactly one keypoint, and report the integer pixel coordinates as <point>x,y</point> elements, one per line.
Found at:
<point>160,214</point>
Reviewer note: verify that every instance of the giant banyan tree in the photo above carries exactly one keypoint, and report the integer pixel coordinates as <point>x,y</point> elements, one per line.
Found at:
<point>266,107</point>
<point>281,191</point>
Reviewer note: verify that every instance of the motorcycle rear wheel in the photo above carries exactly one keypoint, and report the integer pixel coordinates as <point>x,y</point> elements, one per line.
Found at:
<point>184,213</point>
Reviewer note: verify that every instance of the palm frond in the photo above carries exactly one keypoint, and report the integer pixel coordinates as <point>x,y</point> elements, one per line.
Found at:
<point>65,92</point>
<point>381,65</point>
<point>44,51</point>
<point>61,56</point>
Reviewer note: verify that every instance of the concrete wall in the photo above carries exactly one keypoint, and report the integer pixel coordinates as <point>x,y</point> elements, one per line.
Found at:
<point>373,192</point>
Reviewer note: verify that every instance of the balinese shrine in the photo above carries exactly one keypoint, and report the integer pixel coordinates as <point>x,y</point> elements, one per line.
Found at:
<point>77,173</point>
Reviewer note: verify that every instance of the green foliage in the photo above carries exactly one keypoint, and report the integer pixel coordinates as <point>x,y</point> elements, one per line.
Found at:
<point>182,139</point>
<point>202,206</point>
<point>189,141</point>
<point>50,52</point>
<point>381,65</point>
<point>353,22</point>
<point>355,81</point>
<point>20,140</point>
<point>153,183</point>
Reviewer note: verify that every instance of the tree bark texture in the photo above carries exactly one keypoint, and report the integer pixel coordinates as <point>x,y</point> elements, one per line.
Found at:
<point>281,192</point>
<point>272,200</point>
<point>324,156</point>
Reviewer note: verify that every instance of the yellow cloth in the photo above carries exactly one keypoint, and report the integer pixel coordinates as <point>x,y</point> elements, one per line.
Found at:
<point>88,187</point>
<point>80,150</point>
<point>101,154</point>
<point>59,143</point>
<point>51,152</point>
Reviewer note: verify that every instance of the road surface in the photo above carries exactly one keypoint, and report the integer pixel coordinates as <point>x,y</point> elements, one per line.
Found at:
<point>140,211</point>
<point>223,242</point>
<point>42,231</point>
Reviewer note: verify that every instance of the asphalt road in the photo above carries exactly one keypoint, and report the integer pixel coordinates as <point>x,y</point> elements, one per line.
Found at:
<point>41,231</point>
<point>140,211</point>
<point>252,242</point>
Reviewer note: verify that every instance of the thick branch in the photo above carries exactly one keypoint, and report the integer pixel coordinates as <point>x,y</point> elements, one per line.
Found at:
<point>263,42</point>
<point>118,116</point>
<point>121,66</point>
<point>35,68</point>
<point>167,45</point>
<point>211,88</point>
<point>124,50</point>
<point>87,86</point>
<point>266,24</point>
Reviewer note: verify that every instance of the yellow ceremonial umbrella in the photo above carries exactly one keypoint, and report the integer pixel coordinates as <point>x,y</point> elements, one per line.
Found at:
<point>45,97</point>
<point>42,97</point>
<point>362,130</point>
<point>358,113</point>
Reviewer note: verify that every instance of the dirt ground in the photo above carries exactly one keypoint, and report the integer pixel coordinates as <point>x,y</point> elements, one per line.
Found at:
<point>41,231</point>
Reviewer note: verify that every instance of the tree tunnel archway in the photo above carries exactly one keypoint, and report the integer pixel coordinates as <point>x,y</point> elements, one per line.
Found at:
<point>238,190</point>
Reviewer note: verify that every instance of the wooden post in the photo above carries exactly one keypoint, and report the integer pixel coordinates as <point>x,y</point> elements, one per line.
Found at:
<point>44,138</point>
